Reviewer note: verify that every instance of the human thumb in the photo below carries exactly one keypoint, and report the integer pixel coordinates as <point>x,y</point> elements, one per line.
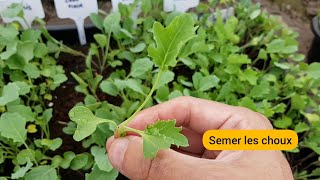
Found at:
<point>126,155</point>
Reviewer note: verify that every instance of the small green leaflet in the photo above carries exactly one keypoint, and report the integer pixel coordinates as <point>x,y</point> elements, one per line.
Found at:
<point>22,171</point>
<point>101,158</point>
<point>86,122</point>
<point>10,93</point>
<point>98,174</point>
<point>170,40</point>
<point>12,126</point>
<point>162,135</point>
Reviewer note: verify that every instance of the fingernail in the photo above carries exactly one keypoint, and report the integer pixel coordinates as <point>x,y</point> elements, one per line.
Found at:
<point>116,156</point>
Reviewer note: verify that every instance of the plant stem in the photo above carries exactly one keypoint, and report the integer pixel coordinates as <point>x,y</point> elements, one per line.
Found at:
<point>33,157</point>
<point>125,123</point>
<point>129,129</point>
<point>109,121</point>
<point>105,57</point>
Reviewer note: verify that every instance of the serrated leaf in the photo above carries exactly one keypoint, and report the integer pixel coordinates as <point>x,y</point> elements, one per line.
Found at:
<point>284,122</point>
<point>101,158</point>
<point>161,135</point>
<point>12,126</point>
<point>170,40</point>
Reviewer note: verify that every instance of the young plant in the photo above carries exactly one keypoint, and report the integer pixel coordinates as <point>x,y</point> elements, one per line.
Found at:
<point>28,74</point>
<point>169,42</point>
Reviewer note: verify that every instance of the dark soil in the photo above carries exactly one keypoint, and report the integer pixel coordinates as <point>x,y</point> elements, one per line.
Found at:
<point>65,97</point>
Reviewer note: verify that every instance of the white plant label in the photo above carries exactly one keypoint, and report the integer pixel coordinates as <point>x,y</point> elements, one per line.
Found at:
<point>31,10</point>
<point>76,10</point>
<point>115,7</point>
<point>179,5</point>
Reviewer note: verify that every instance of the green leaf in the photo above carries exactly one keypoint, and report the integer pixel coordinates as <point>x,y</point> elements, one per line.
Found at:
<point>314,70</point>
<point>25,50</point>
<point>248,103</point>
<point>86,122</point>
<point>109,88</point>
<point>16,61</point>
<point>24,156</point>
<point>170,40</point>
<point>31,70</point>
<point>24,111</point>
<point>140,67</point>
<point>59,79</point>
<point>138,48</point>
<point>101,158</point>
<point>98,174</point>
<point>112,22</point>
<point>47,115</point>
<point>161,135</point>
<point>284,122</point>
<point>175,94</point>
<point>97,20</point>
<point>275,46</point>
<point>101,39</point>
<point>67,158</point>
<point>12,126</point>
<point>80,161</point>
<point>255,14</point>
<point>42,173</point>
<point>52,144</point>
<point>301,127</point>
<point>162,94</point>
<point>22,171</point>
<point>260,91</point>
<point>134,85</point>
<point>202,83</point>
<point>24,88</point>
<point>238,59</point>
<point>166,77</point>
<point>10,93</point>
<point>40,50</point>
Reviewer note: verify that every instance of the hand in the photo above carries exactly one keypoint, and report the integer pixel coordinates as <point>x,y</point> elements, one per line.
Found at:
<point>195,162</point>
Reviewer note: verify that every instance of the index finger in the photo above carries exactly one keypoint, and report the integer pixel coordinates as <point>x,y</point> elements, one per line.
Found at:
<point>201,115</point>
